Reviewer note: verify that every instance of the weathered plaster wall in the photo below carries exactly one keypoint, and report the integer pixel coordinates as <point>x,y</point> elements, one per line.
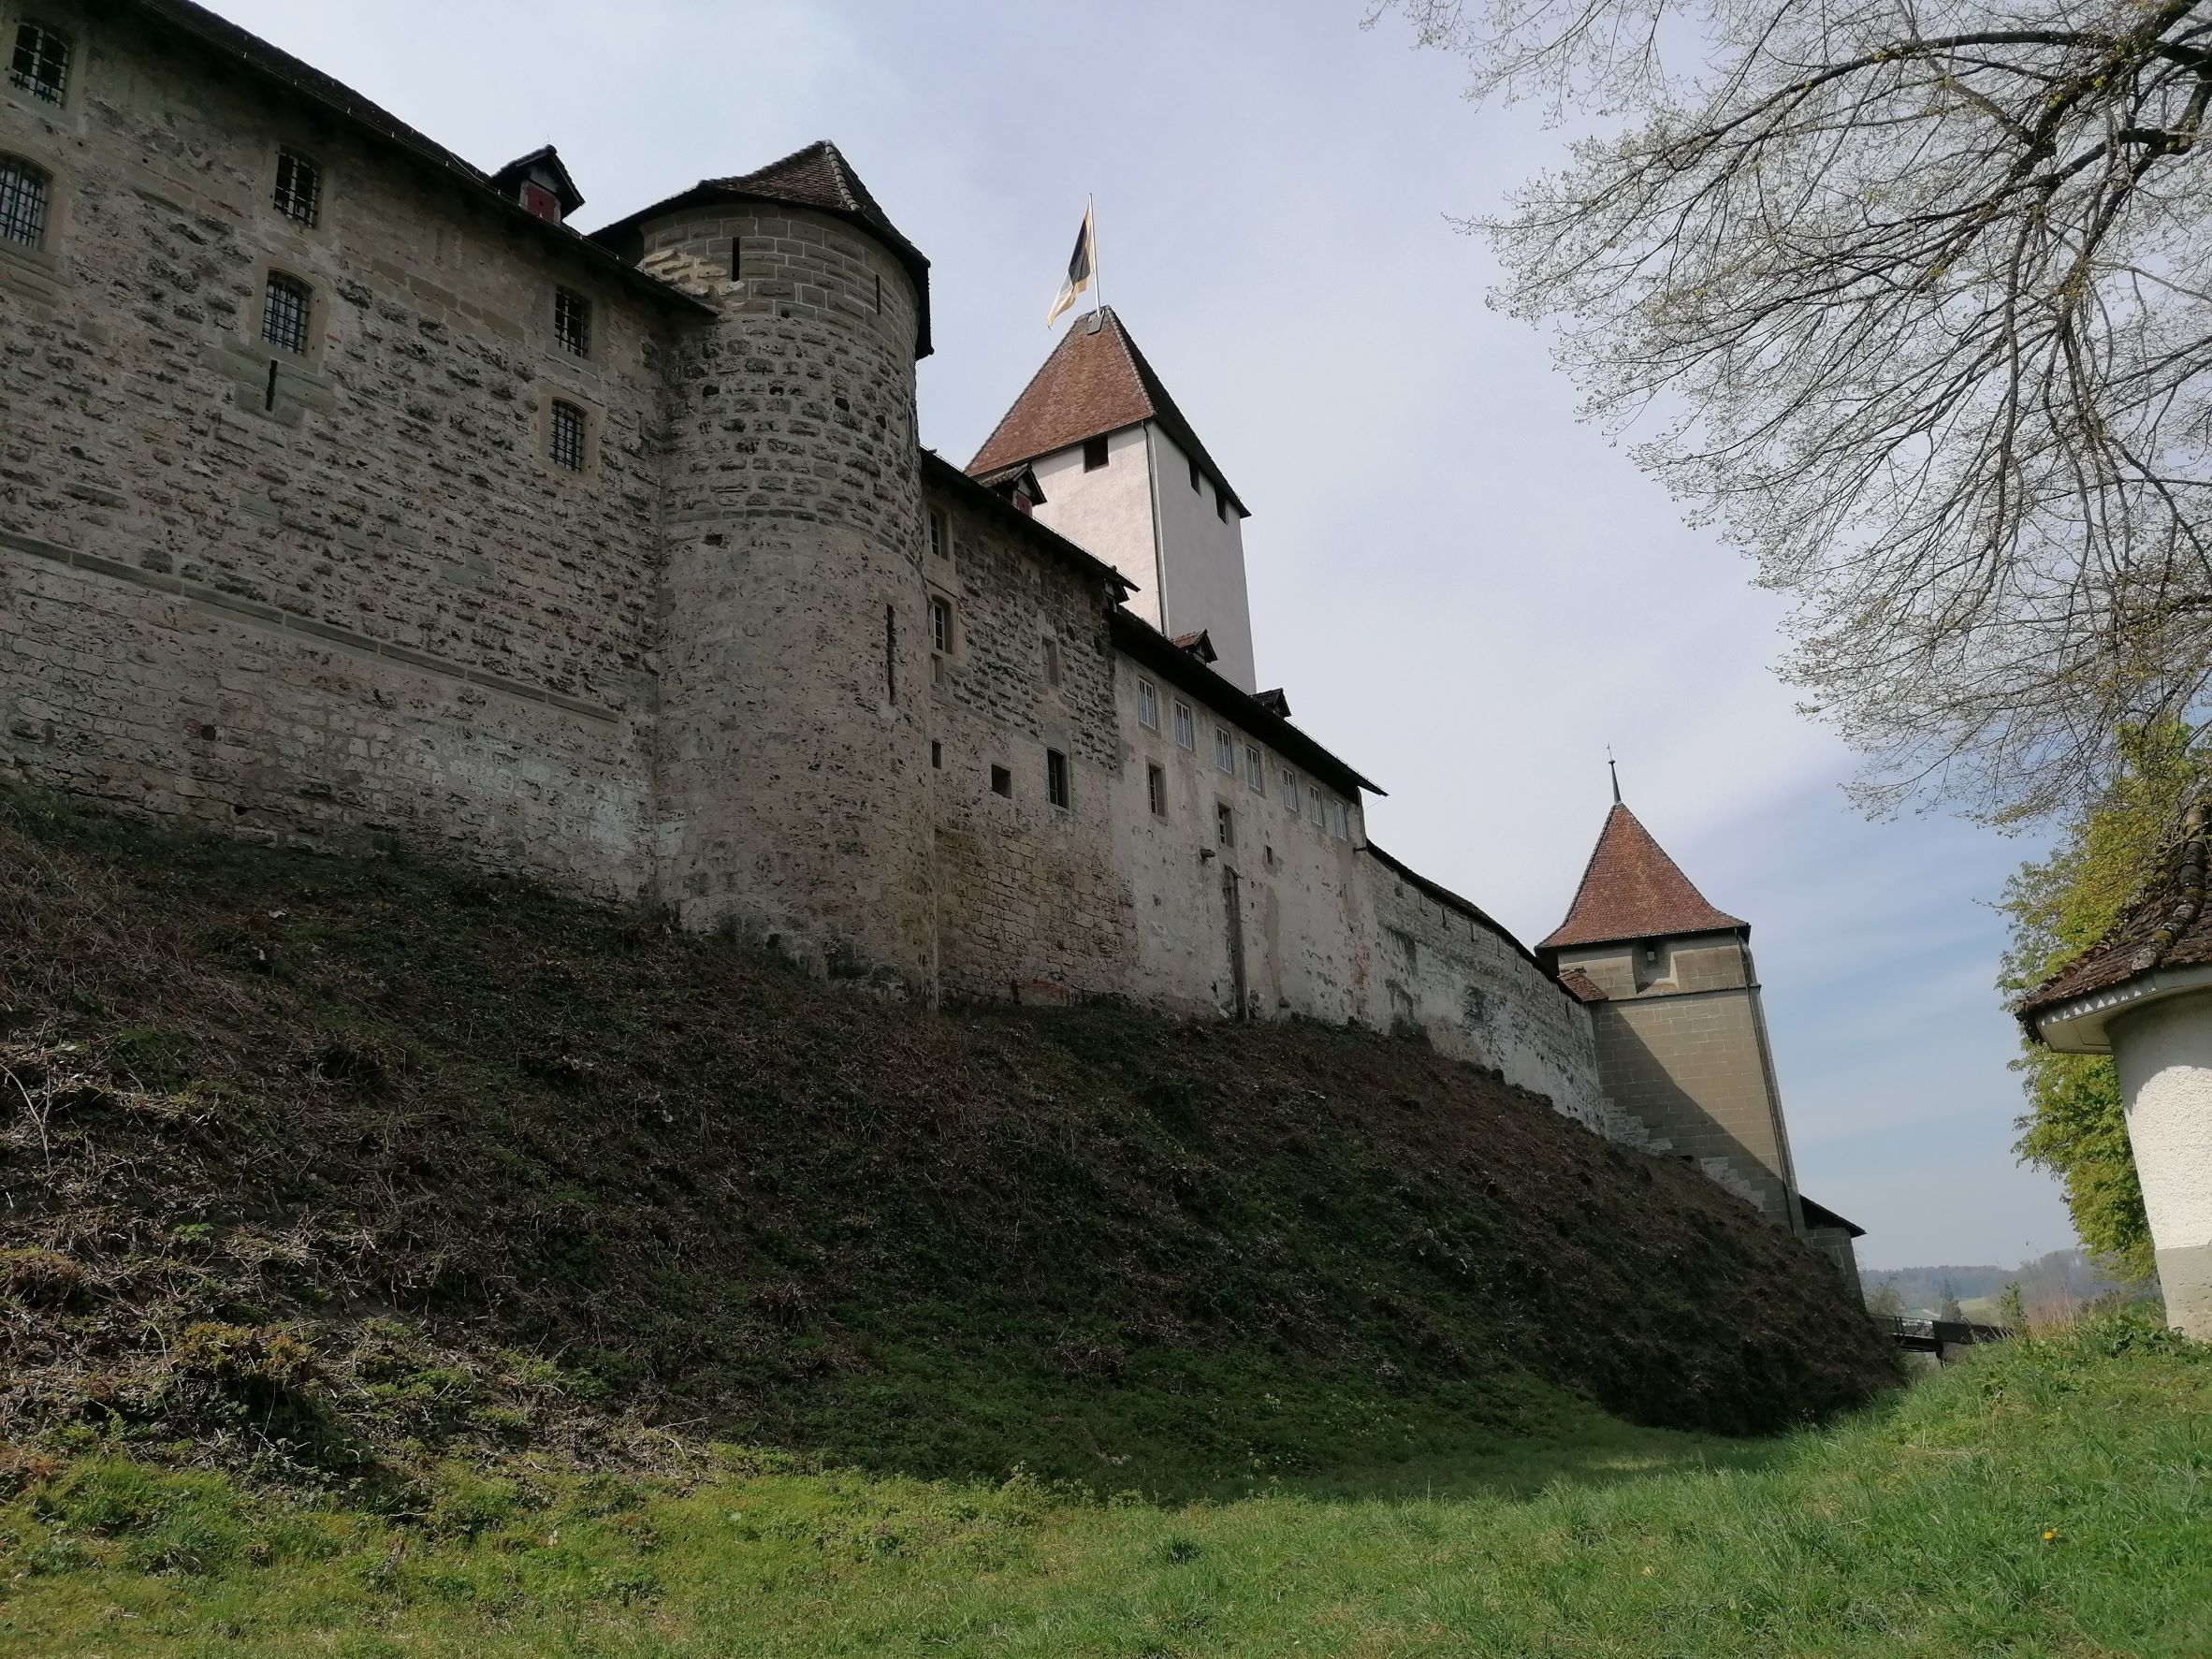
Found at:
<point>1448,972</point>
<point>1107,512</point>
<point>1203,560</point>
<point>2163,1055</point>
<point>374,606</point>
<point>1031,903</point>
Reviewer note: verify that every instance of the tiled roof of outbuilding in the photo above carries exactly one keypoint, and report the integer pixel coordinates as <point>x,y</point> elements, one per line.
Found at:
<point>1581,986</point>
<point>1632,889</point>
<point>1096,381</point>
<point>2167,925</point>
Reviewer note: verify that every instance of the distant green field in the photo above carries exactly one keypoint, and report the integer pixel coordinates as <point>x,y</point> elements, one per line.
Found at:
<point>2052,1498</point>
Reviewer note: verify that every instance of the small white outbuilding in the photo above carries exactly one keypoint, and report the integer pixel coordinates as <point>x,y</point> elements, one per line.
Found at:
<point>2142,995</point>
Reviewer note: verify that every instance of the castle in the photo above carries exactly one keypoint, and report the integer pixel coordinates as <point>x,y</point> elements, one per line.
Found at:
<point>349,494</point>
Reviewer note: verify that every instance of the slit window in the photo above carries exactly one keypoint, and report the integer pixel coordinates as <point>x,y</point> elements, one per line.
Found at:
<point>572,322</point>
<point>568,437</point>
<point>1002,782</point>
<point>1186,727</point>
<point>1156,790</point>
<point>24,191</point>
<point>940,625</point>
<point>1225,752</point>
<point>937,756</point>
<point>736,254</point>
<point>1094,454</point>
<point>299,188</point>
<point>1056,785</point>
<point>1224,826</point>
<point>40,63</point>
<point>286,307</point>
<point>891,653</point>
<point>940,538</point>
<point>1052,661</point>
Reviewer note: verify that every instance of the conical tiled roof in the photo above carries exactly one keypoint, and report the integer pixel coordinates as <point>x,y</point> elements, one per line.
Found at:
<point>2167,925</point>
<point>1632,889</point>
<point>1095,382</point>
<point>817,177</point>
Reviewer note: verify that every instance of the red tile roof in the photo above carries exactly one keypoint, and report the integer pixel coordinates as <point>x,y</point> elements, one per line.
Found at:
<point>1632,889</point>
<point>1095,382</point>
<point>1581,986</point>
<point>2167,925</point>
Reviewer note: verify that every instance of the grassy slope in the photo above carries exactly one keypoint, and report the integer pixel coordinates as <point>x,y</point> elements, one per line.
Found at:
<point>338,1168</point>
<point>2045,1499</point>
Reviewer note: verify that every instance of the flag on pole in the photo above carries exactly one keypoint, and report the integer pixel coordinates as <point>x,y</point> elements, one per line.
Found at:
<point>1081,268</point>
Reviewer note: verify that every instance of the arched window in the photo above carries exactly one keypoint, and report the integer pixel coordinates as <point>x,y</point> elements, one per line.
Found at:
<point>24,191</point>
<point>285,312</point>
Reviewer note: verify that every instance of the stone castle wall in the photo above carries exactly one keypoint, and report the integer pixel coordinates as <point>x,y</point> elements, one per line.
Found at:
<point>349,597</point>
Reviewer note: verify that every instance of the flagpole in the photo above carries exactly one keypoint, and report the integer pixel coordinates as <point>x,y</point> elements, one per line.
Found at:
<point>1090,213</point>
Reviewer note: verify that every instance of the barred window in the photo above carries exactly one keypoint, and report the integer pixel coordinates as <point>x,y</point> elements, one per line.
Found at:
<point>41,62</point>
<point>572,322</point>
<point>284,311</point>
<point>568,437</point>
<point>23,192</point>
<point>299,187</point>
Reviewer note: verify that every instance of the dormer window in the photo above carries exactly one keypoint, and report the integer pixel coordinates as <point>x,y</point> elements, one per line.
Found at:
<point>299,187</point>
<point>572,322</point>
<point>542,185</point>
<point>40,64</point>
<point>1094,454</point>
<point>24,191</point>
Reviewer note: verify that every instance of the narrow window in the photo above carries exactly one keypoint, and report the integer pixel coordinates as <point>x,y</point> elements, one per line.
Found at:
<point>1313,804</point>
<point>941,540</point>
<point>1001,782</point>
<point>1220,503</point>
<point>24,191</point>
<point>1225,824</point>
<point>940,624</point>
<point>1186,728</point>
<point>1148,705</point>
<point>269,391</point>
<point>1055,779</point>
<point>1254,769</point>
<point>284,310</point>
<point>1225,752</point>
<point>41,62</point>
<point>878,291</point>
<point>736,253</point>
<point>572,322</point>
<point>891,653</point>
<point>1156,790</point>
<point>1340,821</point>
<point>1291,791</point>
<point>937,756</point>
<point>1094,454</point>
<point>1194,477</point>
<point>568,437</point>
<point>1052,661</point>
<point>299,187</point>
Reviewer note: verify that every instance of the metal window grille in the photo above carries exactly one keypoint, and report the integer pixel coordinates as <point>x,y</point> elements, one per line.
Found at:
<point>299,187</point>
<point>22,202</point>
<point>41,62</point>
<point>572,322</point>
<point>568,437</point>
<point>284,311</point>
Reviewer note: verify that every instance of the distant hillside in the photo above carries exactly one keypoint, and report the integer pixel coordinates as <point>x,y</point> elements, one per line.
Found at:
<point>2049,1283</point>
<point>328,1163</point>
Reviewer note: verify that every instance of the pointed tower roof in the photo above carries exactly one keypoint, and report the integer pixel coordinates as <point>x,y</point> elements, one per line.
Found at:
<point>1095,382</point>
<point>817,177</point>
<point>1632,889</point>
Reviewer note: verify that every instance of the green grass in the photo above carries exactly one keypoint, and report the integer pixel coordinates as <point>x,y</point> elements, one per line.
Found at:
<point>2047,1498</point>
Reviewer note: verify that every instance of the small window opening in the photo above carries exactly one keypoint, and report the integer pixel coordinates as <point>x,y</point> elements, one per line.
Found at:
<point>1156,790</point>
<point>1255,768</point>
<point>940,541</point>
<point>1225,752</point>
<point>1148,705</point>
<point>1052,661</point>
<point>1056,789</point>
<point>572,322</point>
<point>940,625</point>
<point>1094,454</point>
<point>937,756</point>
<point>736,253</point>
<point>284,310</point>
<point>1194,478</point>
<point>879,290</point>
<point>24,191</point>
<point>568,437</point>
<point>1340,821</point>
<point>1313,804</point>
<point>40,64</point>
<point>1225,824</point>
<point>1186,727</point>
<point>1291,791</point>
<point>269,391</point>
<point>299,187</point>
<point>1001,782</point>
<point>891,653</point>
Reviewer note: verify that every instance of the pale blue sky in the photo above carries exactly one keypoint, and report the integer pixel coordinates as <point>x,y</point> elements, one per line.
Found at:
<point>1466,593</point>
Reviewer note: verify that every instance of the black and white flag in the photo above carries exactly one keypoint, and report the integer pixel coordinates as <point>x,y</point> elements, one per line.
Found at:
<point>1081,268</point>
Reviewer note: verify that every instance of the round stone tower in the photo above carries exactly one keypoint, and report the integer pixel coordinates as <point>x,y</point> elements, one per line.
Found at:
<point>793,769</point>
